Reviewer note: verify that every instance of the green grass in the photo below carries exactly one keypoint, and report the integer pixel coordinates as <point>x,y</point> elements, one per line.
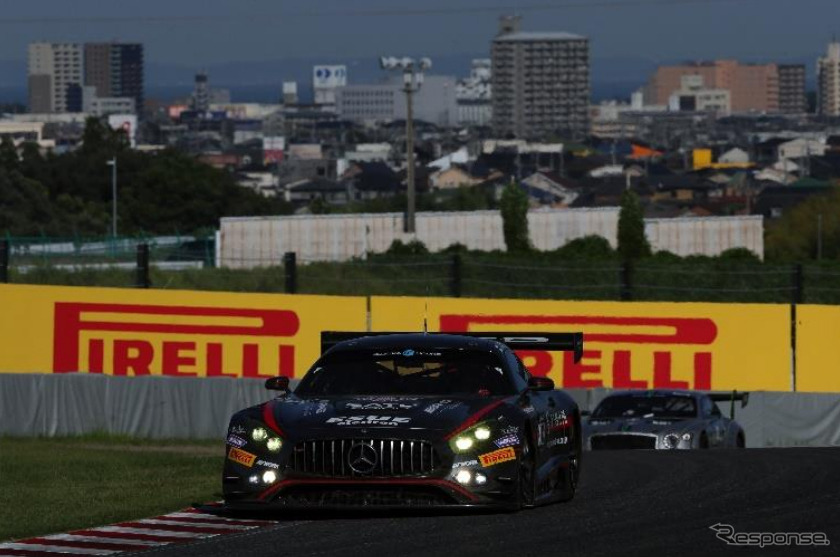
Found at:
<point>56,485</point>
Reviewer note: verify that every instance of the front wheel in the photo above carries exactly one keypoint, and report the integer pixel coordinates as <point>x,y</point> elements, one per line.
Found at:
<point>527,491</point>
<point>570,476</point>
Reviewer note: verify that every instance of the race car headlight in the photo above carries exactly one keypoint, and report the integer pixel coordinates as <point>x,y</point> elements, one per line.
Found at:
<point>670,441</point>
<point>274,444</point>
<point>686,437</point>
<point>476,435</point>
<point>463,477</point>
<point>259,434</point>
<point>463,443</point>
<point>269,477</point>
<point>482,433</point>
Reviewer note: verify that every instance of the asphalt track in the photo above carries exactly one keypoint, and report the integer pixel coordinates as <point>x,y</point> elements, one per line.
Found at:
<point>629,503</point>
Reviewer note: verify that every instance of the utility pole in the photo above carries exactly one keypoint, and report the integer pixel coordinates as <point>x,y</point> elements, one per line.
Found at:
<point>412,81</point>
<point>819,237</point>
<point>113,164</point>
<point>409,156</point>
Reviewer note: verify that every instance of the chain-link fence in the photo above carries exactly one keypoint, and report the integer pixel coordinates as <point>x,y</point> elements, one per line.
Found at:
<point>188,263</point>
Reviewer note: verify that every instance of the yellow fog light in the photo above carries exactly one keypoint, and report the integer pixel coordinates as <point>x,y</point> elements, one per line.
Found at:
<point>274,444</point>
<point>259,434</point>
<point>482,434</point>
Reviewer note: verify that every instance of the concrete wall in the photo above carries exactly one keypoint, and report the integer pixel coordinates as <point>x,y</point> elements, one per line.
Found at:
<point>170,407</point>
<point>261,241</point>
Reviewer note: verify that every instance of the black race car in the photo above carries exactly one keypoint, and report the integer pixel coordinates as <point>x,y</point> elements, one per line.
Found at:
<point>397,420</point>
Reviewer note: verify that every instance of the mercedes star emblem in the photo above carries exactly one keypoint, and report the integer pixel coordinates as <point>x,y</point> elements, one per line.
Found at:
<point>362,458</point>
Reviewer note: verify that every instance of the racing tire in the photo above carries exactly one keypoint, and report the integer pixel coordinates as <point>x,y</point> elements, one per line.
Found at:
<point>526,478</point>
<point>570,475</point>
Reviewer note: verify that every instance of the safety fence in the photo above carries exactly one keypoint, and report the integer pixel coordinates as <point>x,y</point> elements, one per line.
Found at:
<point>171,407</point>
<point>540,275</point>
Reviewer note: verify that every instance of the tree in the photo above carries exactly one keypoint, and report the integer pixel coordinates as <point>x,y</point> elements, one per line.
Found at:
<point>632,242</point>
<point>514,209</point>
<point>797,235</point>
<point>8,154</point>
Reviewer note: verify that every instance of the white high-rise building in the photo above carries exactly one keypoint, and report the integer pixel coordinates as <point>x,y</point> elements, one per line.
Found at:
<point>56,76</point>
<point>473,95</point>
<point>828,81</point>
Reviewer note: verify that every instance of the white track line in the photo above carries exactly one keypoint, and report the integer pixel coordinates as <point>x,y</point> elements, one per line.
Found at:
<point>58,549</point>
<point>150,532</point>
<point>101,539</point>
<point>220,526</point>
<point>219,518</point>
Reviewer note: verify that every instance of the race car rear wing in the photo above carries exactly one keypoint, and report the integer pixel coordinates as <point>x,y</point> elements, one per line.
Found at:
<point>731,397</point>
<point>552,342</point>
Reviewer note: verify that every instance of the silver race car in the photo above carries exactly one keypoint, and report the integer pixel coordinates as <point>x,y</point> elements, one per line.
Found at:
<point>664,420</point>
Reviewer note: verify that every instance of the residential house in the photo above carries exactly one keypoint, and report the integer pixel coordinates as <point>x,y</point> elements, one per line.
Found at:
<point>372,180</point>
<point>775,201</point>
<point>306,191</point>
<point>550,188</point>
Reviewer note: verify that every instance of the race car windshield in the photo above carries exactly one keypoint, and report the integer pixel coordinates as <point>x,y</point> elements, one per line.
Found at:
<point>639,407</point>
<point>407,373</point>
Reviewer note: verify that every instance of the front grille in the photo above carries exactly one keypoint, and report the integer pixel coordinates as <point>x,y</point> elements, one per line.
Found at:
<point>339,458</point>
<point>613,442</point>
<point>403,496</point>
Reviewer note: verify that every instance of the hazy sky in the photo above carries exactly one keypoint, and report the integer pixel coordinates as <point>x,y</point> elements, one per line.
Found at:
<point>195,32</point>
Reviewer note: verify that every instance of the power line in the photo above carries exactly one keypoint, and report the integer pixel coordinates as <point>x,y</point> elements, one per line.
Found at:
<point>383,12</point>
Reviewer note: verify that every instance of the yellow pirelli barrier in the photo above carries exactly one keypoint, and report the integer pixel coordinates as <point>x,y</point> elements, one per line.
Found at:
<point>627,345</point>
<point>818,348</point>
<point>45,329</point>
<point>165,332</point>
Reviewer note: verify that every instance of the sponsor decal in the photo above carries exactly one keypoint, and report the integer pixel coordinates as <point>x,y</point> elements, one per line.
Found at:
<point>268,464</point>
<point>381,398</point>
<point>465,463</point>
<point>237,430</point>
<point>170,340</point>
<point>316,407</point>
<point>507,441</point>
<point>497,457</point>
<point>557,441</point>
<point>368,420</point>
<point>441,406</point>
<point>617,341</point>
<point>550,423</point>
<point>407,353</point>
<point>509,430</point>
<point>236,441</point>
<point>379,406</point>
<point>242,457</point>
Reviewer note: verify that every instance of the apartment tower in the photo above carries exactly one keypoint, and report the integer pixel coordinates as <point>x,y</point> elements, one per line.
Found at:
<point>828,81</point>
<point>540,83</point>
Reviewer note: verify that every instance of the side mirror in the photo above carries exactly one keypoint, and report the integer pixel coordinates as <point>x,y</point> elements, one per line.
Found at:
<point>540,384</point>
<point>277,384</point>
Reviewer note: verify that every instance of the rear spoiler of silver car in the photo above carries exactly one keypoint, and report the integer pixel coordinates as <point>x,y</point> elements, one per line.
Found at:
<point>731,397</point>
<point>552,342</point>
